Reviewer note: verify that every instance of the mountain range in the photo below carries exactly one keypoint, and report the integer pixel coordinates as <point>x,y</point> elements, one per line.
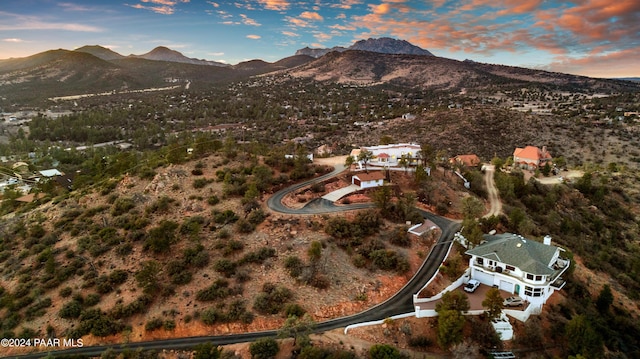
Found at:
<point>160,53</point>
<point>92,69</point>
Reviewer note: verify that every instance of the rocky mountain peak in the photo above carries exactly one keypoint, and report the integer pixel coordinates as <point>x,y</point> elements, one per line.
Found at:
<point>385,45</point>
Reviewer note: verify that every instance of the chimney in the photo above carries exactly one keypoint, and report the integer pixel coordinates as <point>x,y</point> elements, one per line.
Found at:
<point>544,150</point>
<point>547,240</point>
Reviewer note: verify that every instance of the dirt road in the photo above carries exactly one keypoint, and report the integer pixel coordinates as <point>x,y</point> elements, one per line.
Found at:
<point>494,198</point>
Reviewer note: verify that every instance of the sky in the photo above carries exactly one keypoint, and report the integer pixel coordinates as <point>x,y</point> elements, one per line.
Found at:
<point>597,38</point>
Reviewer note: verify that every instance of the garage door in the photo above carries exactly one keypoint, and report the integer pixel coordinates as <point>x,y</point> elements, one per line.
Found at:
<point>506,286</point>
<point>484,278</point>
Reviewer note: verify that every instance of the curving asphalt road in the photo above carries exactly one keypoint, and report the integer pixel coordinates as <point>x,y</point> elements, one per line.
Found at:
<point>400,303</point>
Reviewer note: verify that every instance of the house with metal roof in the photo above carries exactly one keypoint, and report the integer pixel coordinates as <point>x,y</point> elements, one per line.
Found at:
<point>518,265</point>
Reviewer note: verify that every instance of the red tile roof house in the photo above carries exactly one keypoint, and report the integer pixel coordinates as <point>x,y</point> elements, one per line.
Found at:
<point>531,157</point>
<point>469,160</point>
<point>368,180</point>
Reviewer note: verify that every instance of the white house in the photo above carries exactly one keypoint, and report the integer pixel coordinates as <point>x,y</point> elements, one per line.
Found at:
<point>390,155</point>
<point>368,180</point>
<point>520,266</point>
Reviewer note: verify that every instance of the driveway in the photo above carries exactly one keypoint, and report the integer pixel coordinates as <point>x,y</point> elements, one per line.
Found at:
<point>339,193</point>
<point>475,299</point>
<point>494,198</point>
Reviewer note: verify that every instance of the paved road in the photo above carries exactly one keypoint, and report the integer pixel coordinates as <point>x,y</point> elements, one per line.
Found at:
<point>400,303</point>
<point>494,199</point>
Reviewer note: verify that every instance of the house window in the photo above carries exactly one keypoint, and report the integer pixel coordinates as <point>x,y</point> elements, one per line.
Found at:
<point>529,276</point>
<point>480,261</point>
<point>538,278</point>
<point>512,268</point>
<point>533,292</point>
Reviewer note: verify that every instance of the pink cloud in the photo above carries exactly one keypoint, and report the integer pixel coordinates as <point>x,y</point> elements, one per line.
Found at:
<point>622,63</point>
<point>309,15</point>
<point>381,9</point>
<point>323,36</point>
<point>254,37</point>
<point>342,27</point>
<point>297,22</point>
<point>347,4</point>
<point>597,20</point>
<point>249,21</point>
<point>278,5</point>
<point>164,7</point>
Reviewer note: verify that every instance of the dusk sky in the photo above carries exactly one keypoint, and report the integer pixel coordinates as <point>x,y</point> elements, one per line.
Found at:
<point>599,38</point>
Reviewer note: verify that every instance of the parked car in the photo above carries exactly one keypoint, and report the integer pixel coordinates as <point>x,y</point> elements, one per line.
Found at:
<point>513,302</point>
<point>471,286</point>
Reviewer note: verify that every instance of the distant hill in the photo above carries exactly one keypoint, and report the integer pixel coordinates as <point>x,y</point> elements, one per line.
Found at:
<point>263,66</point>
<point>162,53</point>
<point>384,45</point>
<point>100,52</point>
<point>319,52</point>
<point>633,79</point>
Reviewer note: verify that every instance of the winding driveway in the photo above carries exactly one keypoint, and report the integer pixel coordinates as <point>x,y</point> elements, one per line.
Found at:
<point>400,303</point>
<point>494,198</point>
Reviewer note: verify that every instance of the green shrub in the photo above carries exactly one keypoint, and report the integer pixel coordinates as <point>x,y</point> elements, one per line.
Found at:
<point>70,310</point>
<point>384,351</point>
<point>420,341</point>
<point>258,256</point>
<point>211,316</point>
<point>153,324</point>
<point>389,260</point>
<point>266,348</point>
<point>192,226</point>
<point>37,309</point>
<point>159,239</point>
<point>218,290</point>
<point>201,182</point>
<point>294,309</point>
<point>91,300</point>
<point>196,256</point>
<point>294,266</point>
<point>272,299</point>
<point>232,246</point>
<point>207,351</point>
<point>400,237</point>
<point>65,292</point>
<point>226,267</point>
<point>162,205</point>
<point>256,217</point>
<point>169,324</point>
<point>122,206</point>
<point>245,226</point>
<point>213,200</point>
<point>225,217</point>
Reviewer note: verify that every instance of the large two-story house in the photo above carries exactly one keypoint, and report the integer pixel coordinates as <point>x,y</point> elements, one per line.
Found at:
<point>518,265</point>
<point>391,154</point>
<point>531,157</point>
